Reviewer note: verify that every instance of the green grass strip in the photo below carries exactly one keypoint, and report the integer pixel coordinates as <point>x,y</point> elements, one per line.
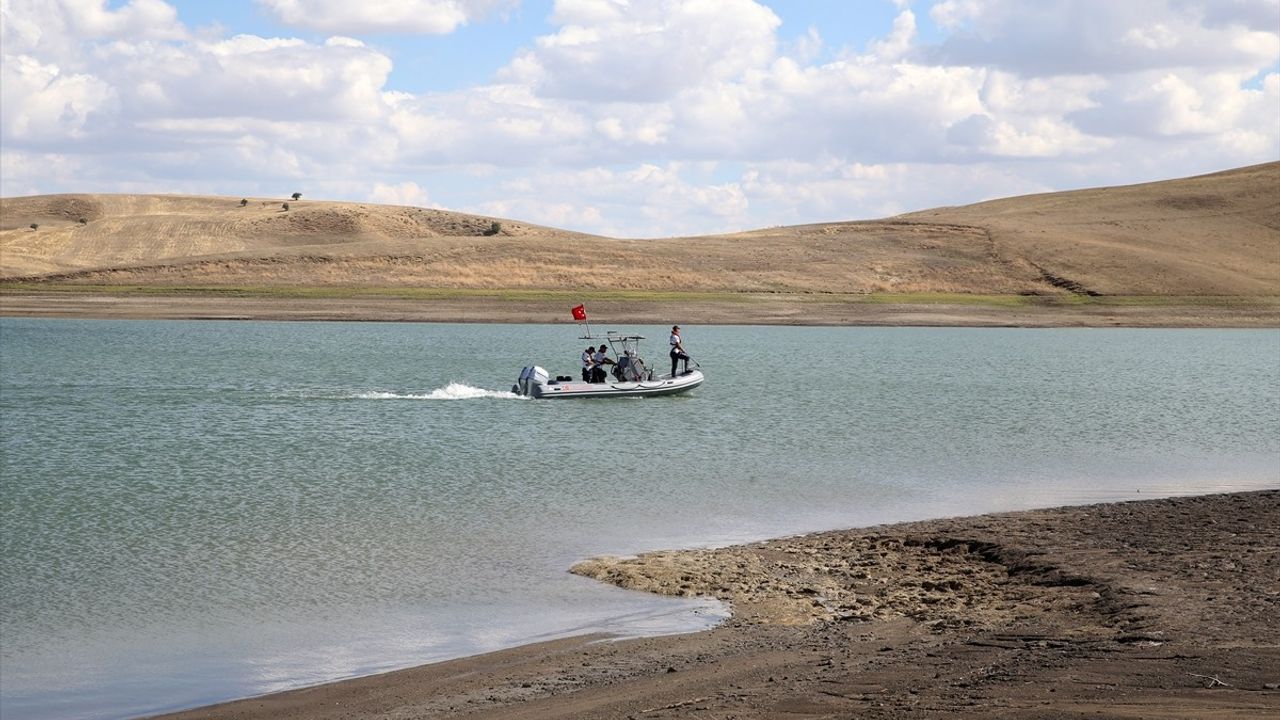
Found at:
<point>576,296</point>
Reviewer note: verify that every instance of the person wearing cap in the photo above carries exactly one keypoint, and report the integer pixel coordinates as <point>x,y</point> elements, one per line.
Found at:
<point>599,360</point>
<point>588,362</point>
<point>677,351</point>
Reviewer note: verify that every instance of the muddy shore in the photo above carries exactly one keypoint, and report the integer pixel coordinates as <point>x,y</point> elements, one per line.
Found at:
<point>1150,609</point>
<point>748,309</point>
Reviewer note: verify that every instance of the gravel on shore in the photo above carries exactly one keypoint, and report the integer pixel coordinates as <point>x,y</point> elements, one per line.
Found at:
<point>1163,608</point>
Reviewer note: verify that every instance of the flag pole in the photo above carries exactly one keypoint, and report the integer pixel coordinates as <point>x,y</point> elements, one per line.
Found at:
<point>580,314</point>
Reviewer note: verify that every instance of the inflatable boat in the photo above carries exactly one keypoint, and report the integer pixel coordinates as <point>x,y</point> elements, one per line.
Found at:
<point>630,377</point>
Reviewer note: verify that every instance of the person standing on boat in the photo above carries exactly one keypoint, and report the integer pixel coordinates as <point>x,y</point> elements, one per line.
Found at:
<point>588,362</point>
<point>599,360</point>
<point>677,351</point>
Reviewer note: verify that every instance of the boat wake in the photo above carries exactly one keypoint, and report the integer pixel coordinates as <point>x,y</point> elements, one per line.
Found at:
<point>452,391</point>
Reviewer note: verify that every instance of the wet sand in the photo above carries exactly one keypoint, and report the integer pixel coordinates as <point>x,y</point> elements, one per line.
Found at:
<point>744,309</point>
<point>1151,609</point>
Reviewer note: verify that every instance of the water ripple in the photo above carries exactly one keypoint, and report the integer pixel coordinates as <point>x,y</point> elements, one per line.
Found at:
<point>196,511</point>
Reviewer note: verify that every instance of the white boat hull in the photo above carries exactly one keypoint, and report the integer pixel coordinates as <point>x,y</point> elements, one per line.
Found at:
<point>535,384</point>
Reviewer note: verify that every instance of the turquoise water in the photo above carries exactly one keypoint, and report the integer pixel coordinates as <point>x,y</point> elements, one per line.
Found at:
<point>195,511</point>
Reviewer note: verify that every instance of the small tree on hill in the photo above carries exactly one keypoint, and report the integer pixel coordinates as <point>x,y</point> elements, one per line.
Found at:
<point>285,206</point>
<point>35,226</point>
<point>243,202</point>
<point>297,196</point>
<point>494,229</point>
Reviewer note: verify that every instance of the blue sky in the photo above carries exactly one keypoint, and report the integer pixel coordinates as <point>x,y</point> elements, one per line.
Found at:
<point>630,118</point>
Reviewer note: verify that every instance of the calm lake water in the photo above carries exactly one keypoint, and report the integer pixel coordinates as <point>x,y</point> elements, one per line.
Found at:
<point>196,511</point>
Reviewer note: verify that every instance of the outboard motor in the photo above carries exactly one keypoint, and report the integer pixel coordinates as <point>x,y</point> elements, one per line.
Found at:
<point>537,376</point>
<point>522,383</point>
<point>529,378</point>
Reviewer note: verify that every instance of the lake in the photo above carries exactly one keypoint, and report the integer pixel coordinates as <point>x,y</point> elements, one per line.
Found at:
<point>197,511</point>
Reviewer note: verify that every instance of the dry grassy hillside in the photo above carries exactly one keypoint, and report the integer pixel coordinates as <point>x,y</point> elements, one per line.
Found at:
<point>1214,234</point>
<point>1211,235</point>
<point>93,232</point>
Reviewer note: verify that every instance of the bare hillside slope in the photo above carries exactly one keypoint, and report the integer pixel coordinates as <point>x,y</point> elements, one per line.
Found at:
<point>1210,235</point>
<point>93,232</point>
<point>1214,234</point>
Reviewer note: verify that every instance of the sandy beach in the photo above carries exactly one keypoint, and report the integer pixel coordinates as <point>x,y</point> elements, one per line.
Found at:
<point>1156,608</point>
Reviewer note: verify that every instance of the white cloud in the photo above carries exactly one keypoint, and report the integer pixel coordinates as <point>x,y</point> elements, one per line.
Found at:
<point>402,193</point>
<point>377,16</point>
<point>283,79</point>
<point>645,51</point>
<point>500,125</point>
<point>192,87</point>
<point>807,47</point>
<point>636,201</point>
<point>644,118</point>
<point>1152,37</point>
<point>953,14</point>
<point>553,214</point>
<point>1181,104</point>
<point>1259,15</point>
<point>33,173</point>
<point>39,103</point>
<point>1112,38</point>
<point>899,40</point>
<point>1007,93</point>
<point>55,29</point>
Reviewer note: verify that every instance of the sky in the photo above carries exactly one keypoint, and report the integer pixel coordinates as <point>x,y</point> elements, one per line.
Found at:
<point>633,118</point>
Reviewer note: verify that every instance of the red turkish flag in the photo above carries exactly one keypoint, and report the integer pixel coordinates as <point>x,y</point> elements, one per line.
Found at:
<point>580,312</point>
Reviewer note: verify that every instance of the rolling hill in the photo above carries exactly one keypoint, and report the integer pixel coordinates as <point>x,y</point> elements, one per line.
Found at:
<point>1211,235</point>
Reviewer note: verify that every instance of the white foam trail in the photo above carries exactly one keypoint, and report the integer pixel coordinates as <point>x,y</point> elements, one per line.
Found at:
<point>452,391</point>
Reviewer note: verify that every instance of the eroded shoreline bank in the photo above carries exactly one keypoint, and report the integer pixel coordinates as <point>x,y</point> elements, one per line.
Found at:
<point>743,309</point>
<point>1158,608</point>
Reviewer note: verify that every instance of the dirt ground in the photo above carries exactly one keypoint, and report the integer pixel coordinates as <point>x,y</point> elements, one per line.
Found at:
<point>1153,609</point>
<point>763,309</point>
